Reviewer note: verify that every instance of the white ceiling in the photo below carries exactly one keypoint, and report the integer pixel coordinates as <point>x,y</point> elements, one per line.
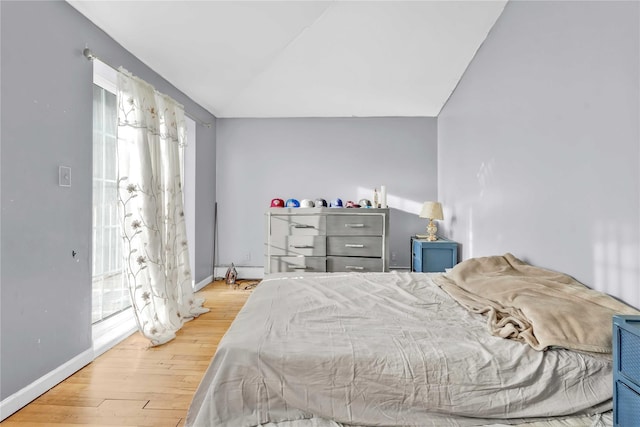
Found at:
<point>303,58</point>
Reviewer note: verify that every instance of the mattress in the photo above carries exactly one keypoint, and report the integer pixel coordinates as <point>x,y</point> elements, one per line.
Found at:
<point>386,349</point>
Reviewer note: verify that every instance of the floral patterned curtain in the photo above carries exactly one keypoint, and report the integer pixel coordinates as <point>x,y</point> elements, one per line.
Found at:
<point>151,130</point>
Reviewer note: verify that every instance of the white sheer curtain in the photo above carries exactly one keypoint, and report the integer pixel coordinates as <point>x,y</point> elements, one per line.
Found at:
<point>150,132</point>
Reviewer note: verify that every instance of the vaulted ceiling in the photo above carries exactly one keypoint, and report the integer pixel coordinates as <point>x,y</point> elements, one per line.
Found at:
<point>303,58</point>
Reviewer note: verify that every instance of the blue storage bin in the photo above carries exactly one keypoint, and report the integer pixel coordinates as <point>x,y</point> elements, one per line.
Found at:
<point>630,355</point>
<point>626,371</point>
<point>628,406</point>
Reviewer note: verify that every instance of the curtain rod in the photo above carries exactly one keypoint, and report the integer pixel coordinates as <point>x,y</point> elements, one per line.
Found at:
<point>91,56</point>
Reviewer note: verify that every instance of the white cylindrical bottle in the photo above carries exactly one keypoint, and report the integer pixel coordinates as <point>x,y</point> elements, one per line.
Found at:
<point>383,196</point>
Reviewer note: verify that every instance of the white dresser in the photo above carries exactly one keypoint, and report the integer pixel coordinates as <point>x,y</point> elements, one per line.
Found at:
<point>327,240</point>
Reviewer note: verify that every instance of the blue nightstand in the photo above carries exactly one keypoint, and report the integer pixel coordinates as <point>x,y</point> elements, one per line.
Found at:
<point>433,257</point>
<point>626,370</point>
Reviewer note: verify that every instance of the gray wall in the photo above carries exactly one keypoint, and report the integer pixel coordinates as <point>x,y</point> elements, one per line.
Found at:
<point>539,148</point>
<point>46,122</point>
<point>260,159</point>
<point>205,196</point>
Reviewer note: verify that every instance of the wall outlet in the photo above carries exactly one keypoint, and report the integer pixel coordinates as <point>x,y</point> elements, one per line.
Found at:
<point>393,256</point>
<point>246,258</point>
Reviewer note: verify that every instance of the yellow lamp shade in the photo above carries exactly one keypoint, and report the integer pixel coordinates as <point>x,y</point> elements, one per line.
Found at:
<point>431,210</point>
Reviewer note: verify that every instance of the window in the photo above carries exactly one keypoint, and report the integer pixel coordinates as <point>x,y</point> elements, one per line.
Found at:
<point>110,294</point>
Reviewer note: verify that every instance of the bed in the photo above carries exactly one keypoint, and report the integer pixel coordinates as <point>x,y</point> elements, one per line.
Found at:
<point>396,349</point>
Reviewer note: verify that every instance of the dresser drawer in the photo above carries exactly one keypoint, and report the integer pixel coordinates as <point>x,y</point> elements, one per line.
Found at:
<point>629,362</point>
<point>356,264</point>
<point>298,225</point>
<point>360,246</point>
<point>355,225</point>
<point>628,405</point>
<point>282,264</point>
<point>298,245</point>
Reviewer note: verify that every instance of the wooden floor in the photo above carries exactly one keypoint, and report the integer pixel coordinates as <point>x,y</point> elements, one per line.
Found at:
<point>134,384</point>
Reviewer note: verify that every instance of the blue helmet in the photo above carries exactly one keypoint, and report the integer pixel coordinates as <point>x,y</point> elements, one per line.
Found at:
<point>292,203</point>
<point>335,203</point>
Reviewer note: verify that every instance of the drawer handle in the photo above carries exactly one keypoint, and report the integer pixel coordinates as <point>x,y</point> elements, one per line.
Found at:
<point>301,226</point>
<point>354,225</point>
<point>353,245</point>
<point>298,268</point>
<point>354,267</point>
<point>301,246</point>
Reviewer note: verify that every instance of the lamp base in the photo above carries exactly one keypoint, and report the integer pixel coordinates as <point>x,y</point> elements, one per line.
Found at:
<point>432,229</point>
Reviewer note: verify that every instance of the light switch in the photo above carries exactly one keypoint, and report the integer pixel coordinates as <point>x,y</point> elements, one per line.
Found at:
<point>64,176</point>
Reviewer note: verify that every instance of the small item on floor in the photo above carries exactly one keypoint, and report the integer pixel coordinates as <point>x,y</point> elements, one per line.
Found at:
<point>250,285</point>
<point>231,276</point>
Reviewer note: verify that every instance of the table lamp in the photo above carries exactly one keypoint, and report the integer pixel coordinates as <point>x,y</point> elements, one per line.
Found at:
<point>431,210</point>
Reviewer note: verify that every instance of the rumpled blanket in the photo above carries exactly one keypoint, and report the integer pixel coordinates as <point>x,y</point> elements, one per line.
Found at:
<point>539,307</point>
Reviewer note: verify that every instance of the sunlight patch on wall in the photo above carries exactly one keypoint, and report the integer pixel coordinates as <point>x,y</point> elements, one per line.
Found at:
<point>616,261</point>
<point>393,201</point>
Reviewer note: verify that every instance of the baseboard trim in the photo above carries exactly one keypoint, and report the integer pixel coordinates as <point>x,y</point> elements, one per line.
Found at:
<point>204,282</point>
<point>258,273</point>
<point>21,398</point>
<point>243,272</point>
<point>108,333</point>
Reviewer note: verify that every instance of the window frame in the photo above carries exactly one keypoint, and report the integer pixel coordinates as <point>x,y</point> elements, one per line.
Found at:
<point>108,332</point>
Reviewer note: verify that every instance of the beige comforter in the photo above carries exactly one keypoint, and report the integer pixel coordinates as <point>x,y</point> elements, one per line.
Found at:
<point>540,307</point>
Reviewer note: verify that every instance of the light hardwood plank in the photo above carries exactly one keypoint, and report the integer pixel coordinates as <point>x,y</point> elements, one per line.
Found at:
<point>134,384</point>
